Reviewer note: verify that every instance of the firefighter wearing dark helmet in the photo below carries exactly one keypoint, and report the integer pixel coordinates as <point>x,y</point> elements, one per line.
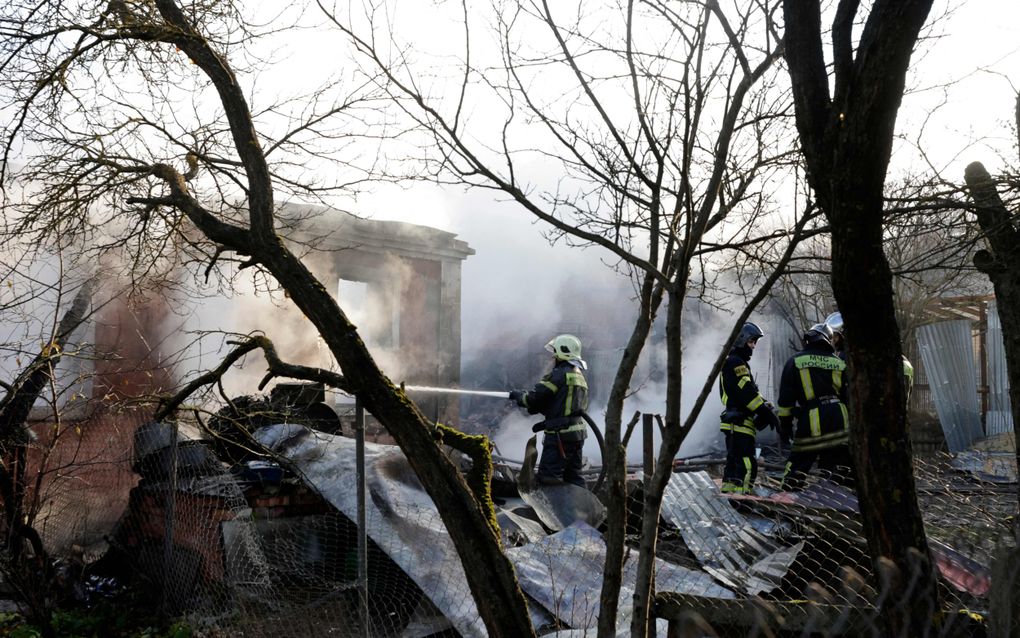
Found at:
<point>812,391</point>
<point>745,412</point>
<point>560,396</point>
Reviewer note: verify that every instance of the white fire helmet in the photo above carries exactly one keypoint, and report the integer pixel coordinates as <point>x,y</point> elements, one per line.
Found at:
<point>566,348</point>
<point>835,323</point>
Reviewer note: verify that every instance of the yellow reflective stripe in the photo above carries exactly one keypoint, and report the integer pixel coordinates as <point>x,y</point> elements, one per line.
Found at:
<point>576,379</point>
<point>846,416</point>
<point>747,474</point>
<point>837,380</point>
<point>785,411</point>
<point>755,403</point>
<point>815,422</point>
<point>742,381</point>
<point>831,436</point>
<point>577,427</point>
<point>550,385</point>
<point>739,429</point>
<point>805,381</point>
<point>810,444</point>
<point>722,392</point>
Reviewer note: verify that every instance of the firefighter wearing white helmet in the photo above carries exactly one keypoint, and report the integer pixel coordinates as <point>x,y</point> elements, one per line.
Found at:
<point>561,397</point>
<point>812,391</point>
<point>835,323</point>
<point>745,412</point>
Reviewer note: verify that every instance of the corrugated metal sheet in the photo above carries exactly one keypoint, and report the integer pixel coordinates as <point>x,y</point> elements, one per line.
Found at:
<point>563,573</point>
<point>400,516</point>
<point>782,341</point>
<point>999,418</point>
<point>724,542</point>
<point>948,355</point>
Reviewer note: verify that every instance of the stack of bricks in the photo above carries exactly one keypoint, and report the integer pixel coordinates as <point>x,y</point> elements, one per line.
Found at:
<point>290,499</point>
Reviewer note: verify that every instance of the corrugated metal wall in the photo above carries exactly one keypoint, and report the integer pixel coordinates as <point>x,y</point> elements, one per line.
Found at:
<point>947,352</point>
<point>999,418</point>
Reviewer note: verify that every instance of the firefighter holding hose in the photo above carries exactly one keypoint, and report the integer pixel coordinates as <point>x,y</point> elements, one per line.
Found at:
<point>561,397</point>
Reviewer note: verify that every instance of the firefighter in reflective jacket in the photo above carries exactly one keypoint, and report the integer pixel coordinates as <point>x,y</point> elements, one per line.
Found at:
<point>835,322</point>
<point>812,390</point>
<point>745,412</point>
<point>561,396</point>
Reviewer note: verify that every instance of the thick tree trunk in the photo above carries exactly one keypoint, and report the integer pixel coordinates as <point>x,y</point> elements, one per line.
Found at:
<point>847,142</point>
<point>489,573</point>
<point>1001,262</point>
<point>879,436</point>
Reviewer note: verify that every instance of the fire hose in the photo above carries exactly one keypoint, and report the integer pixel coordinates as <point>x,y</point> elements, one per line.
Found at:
<point>504,395</point>
<point>538,427</point>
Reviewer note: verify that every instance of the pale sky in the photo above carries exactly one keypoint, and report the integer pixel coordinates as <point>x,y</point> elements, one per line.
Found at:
<point>515,275</point>
<point>973,121</point>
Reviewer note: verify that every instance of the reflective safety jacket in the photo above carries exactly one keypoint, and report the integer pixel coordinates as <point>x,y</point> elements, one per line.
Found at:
<point>739,394</point>
<point>908,375</point>
<point>812,389</point>
<point>908,372</point>
<point>559,397</point>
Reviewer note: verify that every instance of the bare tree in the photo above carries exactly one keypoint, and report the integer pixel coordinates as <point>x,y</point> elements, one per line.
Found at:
<point>846,136</point>
<point>928,241</point>
<point>139,138</point>
<point>21,488</point>
<point>667,130</point>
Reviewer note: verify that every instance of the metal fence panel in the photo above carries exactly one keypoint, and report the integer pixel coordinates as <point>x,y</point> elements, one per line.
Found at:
<point>999,418</point>
<point>948,355</point>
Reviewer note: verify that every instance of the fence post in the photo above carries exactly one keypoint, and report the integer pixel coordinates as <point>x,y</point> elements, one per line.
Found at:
<point>362,578</point>
<point>168,524</point>
<point>648,426</point>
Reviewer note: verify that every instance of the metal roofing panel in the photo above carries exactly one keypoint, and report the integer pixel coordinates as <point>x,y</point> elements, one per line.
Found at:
<point>999,418</point>
<point>400,517</point>
<point>726,544</point>
<point>947,352</point>
<point>563,572</point>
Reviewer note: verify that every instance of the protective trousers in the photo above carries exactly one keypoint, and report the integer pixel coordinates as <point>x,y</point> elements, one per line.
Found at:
<point>835,463</point>
<point>561,460</point>
<point>741,464</point>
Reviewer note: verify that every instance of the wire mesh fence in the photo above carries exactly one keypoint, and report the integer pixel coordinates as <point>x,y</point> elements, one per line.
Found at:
<point>272,548</point>
<point>828,587</point>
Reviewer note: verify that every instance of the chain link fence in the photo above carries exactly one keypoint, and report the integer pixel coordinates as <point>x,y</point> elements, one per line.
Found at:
<point>826,587</point>
<point>270,546</point>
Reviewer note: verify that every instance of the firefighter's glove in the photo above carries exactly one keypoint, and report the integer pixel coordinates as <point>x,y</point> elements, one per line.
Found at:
<point>764,418</point>
<point>517,396</point>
